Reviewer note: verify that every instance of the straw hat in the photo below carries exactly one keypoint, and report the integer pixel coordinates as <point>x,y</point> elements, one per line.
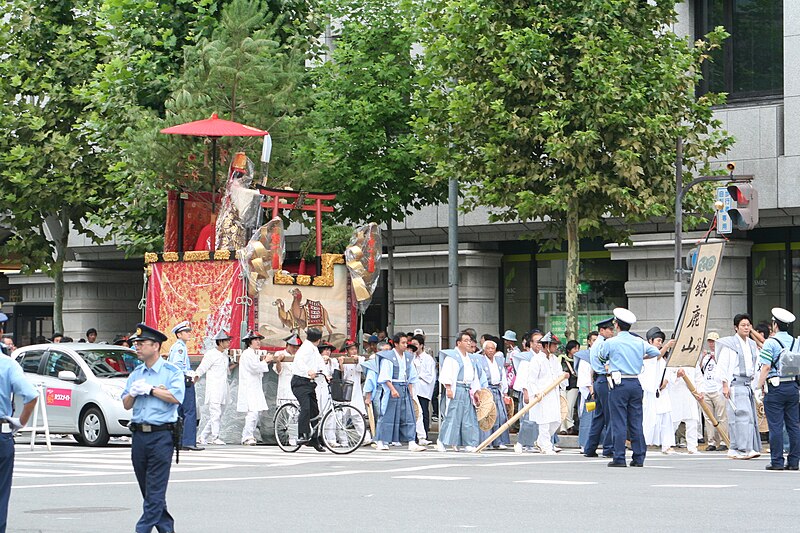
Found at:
<point>487,412</point>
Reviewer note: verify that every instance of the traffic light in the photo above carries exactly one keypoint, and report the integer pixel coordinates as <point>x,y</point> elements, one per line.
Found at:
<point>744,212</point>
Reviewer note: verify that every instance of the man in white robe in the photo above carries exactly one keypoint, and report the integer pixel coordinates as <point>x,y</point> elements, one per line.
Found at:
<point>426,381</point>
<point>543,370</point>
<point>215,366</point>
<point>250,399</point>
<point>284,369</point>
<point>656,399</point>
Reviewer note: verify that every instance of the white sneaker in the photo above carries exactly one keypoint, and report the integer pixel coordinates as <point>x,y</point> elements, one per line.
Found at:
<point>518,448</point>
<point>202,442</point>
<point>556,449</point>
<point>249,442</point>
<point>424,442</point>
<point>414,447</point>
<point>502,447</point>
<point>396,444</point>
<point>440,447</point>
<point>752,454</point>
<point>381,446</point>
<point>548,452</point>
<point>735,454</point>
<point>470,449</point>
<point>218,441</point>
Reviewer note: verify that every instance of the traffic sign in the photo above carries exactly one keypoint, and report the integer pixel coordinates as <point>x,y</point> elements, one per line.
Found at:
<point>724,222</point>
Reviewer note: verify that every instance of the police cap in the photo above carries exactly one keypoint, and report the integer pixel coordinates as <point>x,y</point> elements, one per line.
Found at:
<point>146,333</point>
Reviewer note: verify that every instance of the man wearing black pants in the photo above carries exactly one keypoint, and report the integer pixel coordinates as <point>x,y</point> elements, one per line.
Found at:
<point>307,363</point>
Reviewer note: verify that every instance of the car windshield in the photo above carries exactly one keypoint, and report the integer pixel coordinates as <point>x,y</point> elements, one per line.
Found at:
<point>109,363</point>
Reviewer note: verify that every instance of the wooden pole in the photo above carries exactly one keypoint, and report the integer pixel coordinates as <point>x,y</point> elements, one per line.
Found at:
<point>371,417</point>
<point>521,412</point>
<point>707,410</point>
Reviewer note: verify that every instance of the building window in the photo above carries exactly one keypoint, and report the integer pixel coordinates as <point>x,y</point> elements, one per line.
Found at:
<point>750,63</point>
<point>534,291</point>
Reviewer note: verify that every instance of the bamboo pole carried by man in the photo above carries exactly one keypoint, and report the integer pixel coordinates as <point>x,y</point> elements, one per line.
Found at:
<point>707,410</point>
<point>521,413</point>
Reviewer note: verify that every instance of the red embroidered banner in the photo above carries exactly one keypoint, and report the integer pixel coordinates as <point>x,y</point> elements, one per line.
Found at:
<point>203,292</point>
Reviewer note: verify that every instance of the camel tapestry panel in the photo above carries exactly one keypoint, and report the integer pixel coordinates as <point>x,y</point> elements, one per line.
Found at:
<point>203,292</point>
<point>286,309</point>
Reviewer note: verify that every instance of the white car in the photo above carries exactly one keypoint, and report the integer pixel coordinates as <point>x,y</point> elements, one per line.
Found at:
<point>83,386</point>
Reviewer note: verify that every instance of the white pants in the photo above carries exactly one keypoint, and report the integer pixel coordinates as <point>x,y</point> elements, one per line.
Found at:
<point>420,426</point>
<point>691,432</point>
<point>211,428</point>
<point>250,421</point>
<point>545,439</point>
<point>572,398</point>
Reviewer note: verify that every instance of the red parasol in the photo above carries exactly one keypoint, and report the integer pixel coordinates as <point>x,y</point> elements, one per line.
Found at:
<point>215,128</point>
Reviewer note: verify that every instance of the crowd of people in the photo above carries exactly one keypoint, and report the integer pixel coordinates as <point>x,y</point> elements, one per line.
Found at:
<point>407,388</point>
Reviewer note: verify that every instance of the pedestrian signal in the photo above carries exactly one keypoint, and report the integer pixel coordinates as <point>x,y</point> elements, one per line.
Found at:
<point>744,212</point>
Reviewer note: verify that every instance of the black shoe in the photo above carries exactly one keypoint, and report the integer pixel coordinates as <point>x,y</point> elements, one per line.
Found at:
<point>640,465</point>
<point>319,447</point>
<point>617,465</point>
<point>303,439</point>
<point>795,467</point>
<point>773,467</point>
<point>608,456</point>
<point>191,449</point>
<point>593,454</point>
<point>722,448</point>
<point>711,448</point>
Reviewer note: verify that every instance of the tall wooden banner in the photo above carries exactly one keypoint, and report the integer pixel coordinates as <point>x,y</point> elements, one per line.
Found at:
<point>694,318</point>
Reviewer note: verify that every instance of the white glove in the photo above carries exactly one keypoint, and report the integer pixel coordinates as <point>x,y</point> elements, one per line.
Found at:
<point>15,424</point>
<point>140,388</point>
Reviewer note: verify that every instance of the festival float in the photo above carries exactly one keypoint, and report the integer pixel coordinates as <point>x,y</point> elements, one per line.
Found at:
<point>224,267</point>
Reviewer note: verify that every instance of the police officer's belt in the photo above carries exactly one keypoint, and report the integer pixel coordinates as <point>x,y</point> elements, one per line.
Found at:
<point>785,380</point>
<point>149,428</point>
<point>188,381</point>
<point>628,376</point>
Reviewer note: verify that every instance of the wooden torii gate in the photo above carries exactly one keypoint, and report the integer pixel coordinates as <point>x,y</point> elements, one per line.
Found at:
<point>278,200</point>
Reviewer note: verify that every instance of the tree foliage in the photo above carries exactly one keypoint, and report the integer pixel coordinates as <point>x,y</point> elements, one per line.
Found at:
<point>360,143</point>
<point>247,66</point>
<point>50,167</point>
<point>566,111</point>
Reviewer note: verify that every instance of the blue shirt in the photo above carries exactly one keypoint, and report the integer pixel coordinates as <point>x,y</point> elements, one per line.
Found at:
<point>772,349</point>
<point>594,356</point>
<point>152,410</point>
<point>12,380</point>
<point>626,353</point>
<point>386,370</point>
<point>179,356</point>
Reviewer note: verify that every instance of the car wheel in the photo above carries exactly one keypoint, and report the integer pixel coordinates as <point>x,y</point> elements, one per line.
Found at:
<point>93,428</point>
<point>79,438</point>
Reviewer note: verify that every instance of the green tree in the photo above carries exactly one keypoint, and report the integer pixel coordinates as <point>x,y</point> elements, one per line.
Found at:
<point>50,179</point>
<point>189,58</point>
<point>360,142</point>
<point>566,111</point>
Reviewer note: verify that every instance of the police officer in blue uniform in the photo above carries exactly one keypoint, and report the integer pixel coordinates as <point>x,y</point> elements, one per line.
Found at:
<point>602,415</point>
<point>625,355</point>
<point>12,381</point>
<point>179,356</point>
<point>154,391</point>
<point>782,394</point>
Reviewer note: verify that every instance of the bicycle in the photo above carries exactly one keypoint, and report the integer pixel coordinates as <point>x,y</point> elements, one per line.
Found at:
<point>341,427</point>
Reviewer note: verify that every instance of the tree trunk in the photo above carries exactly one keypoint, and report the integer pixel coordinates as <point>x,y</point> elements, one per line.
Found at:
<point>573,273</point>
<point>60,240</point>
<point>390,279</point>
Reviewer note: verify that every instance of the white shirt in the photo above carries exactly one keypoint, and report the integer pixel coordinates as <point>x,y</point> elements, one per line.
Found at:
<point>494,373</point>
<point>706,369</point>
<point>728,362</point>
<point>449,371</point>
<point>306,359</point>
<point>426,375</point>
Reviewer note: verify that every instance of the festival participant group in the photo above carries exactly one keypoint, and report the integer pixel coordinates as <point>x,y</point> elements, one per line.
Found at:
<point>618,392</point>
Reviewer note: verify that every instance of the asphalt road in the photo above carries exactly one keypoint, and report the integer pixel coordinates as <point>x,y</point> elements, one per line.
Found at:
<point>234,488</point>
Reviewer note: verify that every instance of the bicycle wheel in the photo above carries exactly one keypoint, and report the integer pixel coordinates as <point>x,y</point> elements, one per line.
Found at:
<point>343,429</point>
<point>286,427</point>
